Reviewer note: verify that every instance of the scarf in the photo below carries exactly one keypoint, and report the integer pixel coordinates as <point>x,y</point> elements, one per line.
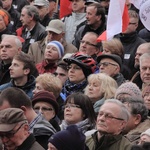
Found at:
<point>70,87</point>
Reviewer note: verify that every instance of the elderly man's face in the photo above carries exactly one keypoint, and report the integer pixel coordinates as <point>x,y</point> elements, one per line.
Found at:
<point>16,137</point>
<point>109,67</point>
<point>145,70</point>
<point>109,119</point>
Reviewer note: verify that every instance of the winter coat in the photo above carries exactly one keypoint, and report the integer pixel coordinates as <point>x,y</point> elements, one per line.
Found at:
<point>37,50</point>
<point>36,34</point>
<point>27,88</point>
<point>134,135</point>
<point>83,30</point>
<point>30,144</point>
<point>71,22</point>
<point>42,130</point>
<point>130,42</point>
<point>108,142</point>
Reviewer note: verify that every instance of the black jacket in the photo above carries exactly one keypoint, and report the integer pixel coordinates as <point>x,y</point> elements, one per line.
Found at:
<point>36,34</point>
<point>130,43</point>
<point>4,73</point>
<point>30,144</point>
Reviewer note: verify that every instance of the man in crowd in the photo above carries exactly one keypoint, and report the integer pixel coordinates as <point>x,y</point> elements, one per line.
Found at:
<point>130,40</point>
<point>145,69</point>
<point>9,47</point>
<point>21,73</point>
<point>32,30</point>
<point>89,45</point>
<point>95,17</point>
<point>14,131</point>
<point>16,98</point>
<point>77,17</point>
<point>111,120</point>
<point>111,64</point>
<point>143,48</point>
<point>55,32</point>
<point>43,9</point>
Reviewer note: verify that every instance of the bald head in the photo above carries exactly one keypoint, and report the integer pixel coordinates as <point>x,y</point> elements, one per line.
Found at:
<point>143,48</point>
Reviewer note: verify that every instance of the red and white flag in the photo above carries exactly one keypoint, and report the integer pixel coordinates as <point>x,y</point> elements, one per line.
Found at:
<point>117,20</point>
<point>65,8</point>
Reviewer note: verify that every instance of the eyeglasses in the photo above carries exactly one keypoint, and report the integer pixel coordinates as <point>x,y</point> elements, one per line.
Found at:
<point>11,133</point>
<point>43,109</point>
<point>88,43</point>
<point>69,105</point>
<point>74,67</point>
<point>108,116</point>
<point>105,64</point>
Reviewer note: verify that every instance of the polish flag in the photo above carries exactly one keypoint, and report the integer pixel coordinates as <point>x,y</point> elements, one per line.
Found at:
<point>65,8</point>
<point>117,20</point>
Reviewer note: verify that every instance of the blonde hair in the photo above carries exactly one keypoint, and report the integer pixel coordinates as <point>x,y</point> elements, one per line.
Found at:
<point>114,46</point>
<point>107,84</point>
<point>50,83</point>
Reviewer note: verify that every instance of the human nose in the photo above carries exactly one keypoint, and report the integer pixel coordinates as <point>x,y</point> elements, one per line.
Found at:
<point>10,67</point>
<point>148,70</point>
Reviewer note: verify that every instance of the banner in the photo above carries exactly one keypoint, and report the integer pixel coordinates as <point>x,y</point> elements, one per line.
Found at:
<point>65,8</point>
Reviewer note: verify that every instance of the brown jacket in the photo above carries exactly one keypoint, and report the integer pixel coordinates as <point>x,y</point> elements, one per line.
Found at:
<point>134,135</point>
<point>37,49</point>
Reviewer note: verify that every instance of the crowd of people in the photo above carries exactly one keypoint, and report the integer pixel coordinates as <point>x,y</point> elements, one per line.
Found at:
<point>61,89</point>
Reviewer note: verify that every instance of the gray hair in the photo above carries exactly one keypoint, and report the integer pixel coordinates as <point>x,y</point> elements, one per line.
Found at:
<point>124,113</point>
<point>17,40</point>
<point>32,11</point>
<point>144,56</point>
<point>137,106</point>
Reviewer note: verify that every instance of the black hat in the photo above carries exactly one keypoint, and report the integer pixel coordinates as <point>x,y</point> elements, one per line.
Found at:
<point>69,139</point>
<point>114,57</point>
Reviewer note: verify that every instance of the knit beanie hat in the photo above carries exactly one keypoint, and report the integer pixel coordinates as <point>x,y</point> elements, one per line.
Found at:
<point>130,89</point>
<point>45,96</point>
<point>5,16</point>
<point>69,139</point>
<point>147,132</point>
<point>59,47</point>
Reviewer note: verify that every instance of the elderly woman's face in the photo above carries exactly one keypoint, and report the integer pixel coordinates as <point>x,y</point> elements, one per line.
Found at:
<point>46,109</point>
<point>38,87</point>
<point>75,74</point>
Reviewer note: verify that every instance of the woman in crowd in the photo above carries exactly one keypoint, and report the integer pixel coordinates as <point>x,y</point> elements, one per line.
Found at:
<point>100,87</point>
<point>45,102</point>
<point>80,66</point>
<point>48,82</point>
<point>79,111</point>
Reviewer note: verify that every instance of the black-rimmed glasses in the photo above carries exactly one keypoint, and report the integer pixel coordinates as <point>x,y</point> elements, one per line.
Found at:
<point>88,43</point>
<point>105,64</point>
